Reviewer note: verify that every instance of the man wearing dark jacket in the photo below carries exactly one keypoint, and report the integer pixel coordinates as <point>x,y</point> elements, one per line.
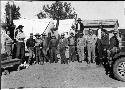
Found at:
<point>79,27</point>
<point>30,46</point>
<point>114,44</point>
<point>53,49</point>
<point>63,43</point>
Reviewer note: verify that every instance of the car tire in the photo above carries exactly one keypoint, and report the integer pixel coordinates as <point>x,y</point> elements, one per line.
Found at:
<point>119,69</point>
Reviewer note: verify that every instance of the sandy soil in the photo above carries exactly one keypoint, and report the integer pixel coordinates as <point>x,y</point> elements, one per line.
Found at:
<point>56,75</point>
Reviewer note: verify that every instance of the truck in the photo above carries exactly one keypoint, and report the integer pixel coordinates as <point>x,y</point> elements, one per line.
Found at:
<point>117,62</point>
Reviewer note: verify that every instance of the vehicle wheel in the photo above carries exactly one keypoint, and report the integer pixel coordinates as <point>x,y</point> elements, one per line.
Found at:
<point>119,69</point>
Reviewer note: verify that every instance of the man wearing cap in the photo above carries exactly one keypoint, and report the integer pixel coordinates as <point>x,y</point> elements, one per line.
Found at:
<point>38,42</point>
<point>63,43</point>
<point>30,43</point>
<point>81,43</point>
<point>20,53</point>
<point>53,49</point>
<point>79,27</point>
<point>71,44</point>
<point>91,41</point>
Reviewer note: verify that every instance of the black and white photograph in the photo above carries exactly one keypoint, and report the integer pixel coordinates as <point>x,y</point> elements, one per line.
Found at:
<point>62,44</point>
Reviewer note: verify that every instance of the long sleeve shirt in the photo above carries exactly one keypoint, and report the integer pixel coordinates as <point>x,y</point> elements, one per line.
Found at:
<point>63,43</point>
<point>20,37</point>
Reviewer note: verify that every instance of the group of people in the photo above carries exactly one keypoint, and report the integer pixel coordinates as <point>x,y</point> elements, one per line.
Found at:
<point>45,48</point>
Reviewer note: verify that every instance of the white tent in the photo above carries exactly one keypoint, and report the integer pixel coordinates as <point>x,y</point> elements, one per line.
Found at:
<point>43,25</point>
<point>33,25</point>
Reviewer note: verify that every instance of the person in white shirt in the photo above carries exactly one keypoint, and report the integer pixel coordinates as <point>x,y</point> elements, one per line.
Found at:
<point>20,52</point>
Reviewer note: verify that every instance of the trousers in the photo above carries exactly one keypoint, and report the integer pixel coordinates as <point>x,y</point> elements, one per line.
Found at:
<point>80,51</point>
<point>63,56</point>
<point>38,54</point>
<point>20,52</point>
<point>91,52</point>
<point>31,54</point>
<point>72,53</point>
<point>53,54</point>
<point>9,49</point>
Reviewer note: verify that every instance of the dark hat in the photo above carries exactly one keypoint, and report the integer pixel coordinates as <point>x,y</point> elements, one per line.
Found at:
<point>20,26</point>
<point>53,37</point>
<point>37,34</point>
<point>43,34</point>
<point>72,26</point>
<point>71,33</point>
<point>31,34</point>
<point>79,19</point>
<point>54,29</point>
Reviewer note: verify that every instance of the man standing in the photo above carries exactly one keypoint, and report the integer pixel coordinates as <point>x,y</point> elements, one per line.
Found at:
<point>53,49</point>
<point>63,43</point>
<point>30,46</point>
<point>91,41</point>
<point>79,27</point>
<point>71,43</point>
<point>8,45</point>
<point>38,42</point>
<point>81,43</point>
<point>102,44</point>
<point>20,53</point>
<point>45,48</point>
<point>114,43</point>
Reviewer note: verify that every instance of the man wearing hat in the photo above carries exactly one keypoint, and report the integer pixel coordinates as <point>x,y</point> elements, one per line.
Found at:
<point>45,48</point>
<point>63,43</point>
<point>38,42</point>
<point>53,49</point>
<point>91,41</point>
<point>71,44</point>
<point>20,53</point>
<point>81,44</point>
<point>30,43</point>
<point>79,27</point>
<point>114,43</point>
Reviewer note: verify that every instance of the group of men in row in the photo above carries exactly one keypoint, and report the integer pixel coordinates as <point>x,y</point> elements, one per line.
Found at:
<point>80,46</point>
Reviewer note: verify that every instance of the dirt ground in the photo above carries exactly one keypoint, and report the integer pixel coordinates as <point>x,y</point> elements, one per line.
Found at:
<point>56,75</point>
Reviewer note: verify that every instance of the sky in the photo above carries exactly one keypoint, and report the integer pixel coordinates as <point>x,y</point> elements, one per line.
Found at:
<point>92,10</point>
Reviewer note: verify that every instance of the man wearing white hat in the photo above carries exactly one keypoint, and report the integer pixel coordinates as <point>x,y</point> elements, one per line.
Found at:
<point>20,53</point>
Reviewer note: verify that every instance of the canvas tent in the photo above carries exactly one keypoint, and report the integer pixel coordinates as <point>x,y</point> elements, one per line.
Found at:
<point>33,25</point>
<point>43,25</point>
